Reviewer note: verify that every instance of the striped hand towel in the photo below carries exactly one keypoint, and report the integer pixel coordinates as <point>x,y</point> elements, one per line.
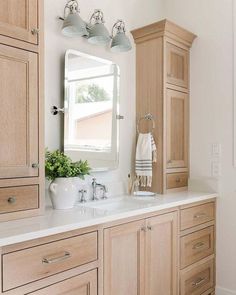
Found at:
<point>146,154</point>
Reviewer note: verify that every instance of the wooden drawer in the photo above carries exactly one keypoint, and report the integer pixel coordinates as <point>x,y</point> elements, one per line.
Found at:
<point>19,198</point>
<point>28,265</point>
<point>197,246</point>
<point>176,180</point>
<point>84,284</point>
<point>197,215</point>
<point>197,280</point>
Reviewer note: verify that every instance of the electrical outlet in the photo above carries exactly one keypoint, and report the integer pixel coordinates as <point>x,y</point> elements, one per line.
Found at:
<point>215,169</point>
<point>216,150</point>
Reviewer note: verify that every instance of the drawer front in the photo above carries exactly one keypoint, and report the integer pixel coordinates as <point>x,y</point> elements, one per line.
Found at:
<point>197,215</point>
<point>198,280</point>
<point>28,265</point>
<point>84,284</point>
<point>197,246</point>
<point>176,180</point>
<point>20,198</point>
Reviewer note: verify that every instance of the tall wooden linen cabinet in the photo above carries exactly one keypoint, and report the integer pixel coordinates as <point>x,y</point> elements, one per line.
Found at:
<point>162,74</point>
<point>22,109</point>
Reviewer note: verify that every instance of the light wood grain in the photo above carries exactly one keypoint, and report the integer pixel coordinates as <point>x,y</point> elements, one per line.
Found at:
<point>197,246</point>
<point>177,129</point>
<point>162,255</point>
<point>14,199</point>
<point>27,265</point>
<point>84,284</point>
<point>176,180</point>
<point>18,113</point>
<point>177,65</point>
<point>198,279</point>
<point>18,18</point>
<point>124,259</point>
<point>197,215</point>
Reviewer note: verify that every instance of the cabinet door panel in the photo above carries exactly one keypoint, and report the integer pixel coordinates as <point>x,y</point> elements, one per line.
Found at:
<point>177,65</point>
<point>161,255</point>
<point>177,129</point>
<point>18,18</point>
<point>18,112</point>
<point>84,284</point>
<point>123,259</point>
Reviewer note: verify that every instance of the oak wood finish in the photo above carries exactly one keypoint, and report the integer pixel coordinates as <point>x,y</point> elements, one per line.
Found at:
<point>19,198</point>
<point>124,259</point>
<point>22,99</point>
<point>177,117</point>
<point>19,112</point>
<point>33,264</point>
<point>162,255</point>
<point>197,215</point>
<point>196,246</point>
<point>162,81</point>
<point>84,284</point>
<point>197,279</point>
<point>176,180</point>
<point>177,65</point>
<point>18,19</point>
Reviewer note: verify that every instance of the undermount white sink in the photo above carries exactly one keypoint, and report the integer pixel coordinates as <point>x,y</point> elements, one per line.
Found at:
<point>120,204</point>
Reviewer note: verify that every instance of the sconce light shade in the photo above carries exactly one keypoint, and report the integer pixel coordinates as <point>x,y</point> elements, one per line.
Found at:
<point>120,41</point>
<point>98,33</point>
<point>73,25</point>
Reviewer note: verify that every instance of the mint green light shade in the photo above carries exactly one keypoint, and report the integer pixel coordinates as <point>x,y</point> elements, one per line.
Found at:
<point>74,26</point>
<point>98,34</point>
<point>120,43</point>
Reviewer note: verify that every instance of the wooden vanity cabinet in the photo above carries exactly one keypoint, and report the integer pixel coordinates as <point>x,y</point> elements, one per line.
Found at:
<point>19,20</point>
<point>22,109</point>
<point>142,257</point>
<point>162,89</point>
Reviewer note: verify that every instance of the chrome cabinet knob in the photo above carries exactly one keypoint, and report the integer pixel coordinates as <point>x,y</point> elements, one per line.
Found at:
<point>35,165</point>
<point>11,200</point>
<point>35,31</point>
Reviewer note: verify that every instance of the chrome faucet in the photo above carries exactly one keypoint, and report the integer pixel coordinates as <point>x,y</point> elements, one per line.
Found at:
<point>103,187</point>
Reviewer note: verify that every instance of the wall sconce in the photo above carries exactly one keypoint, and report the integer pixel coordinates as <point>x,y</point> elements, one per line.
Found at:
<point>98,33</point>
<point>73,25</point>
<point>95,31</point>
<point>120,41</point>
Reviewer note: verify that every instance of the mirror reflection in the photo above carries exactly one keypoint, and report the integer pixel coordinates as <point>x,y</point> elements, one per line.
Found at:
<point>91,109</point>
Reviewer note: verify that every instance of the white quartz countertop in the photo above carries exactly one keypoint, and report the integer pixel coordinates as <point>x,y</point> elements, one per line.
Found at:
<point>59,221</point>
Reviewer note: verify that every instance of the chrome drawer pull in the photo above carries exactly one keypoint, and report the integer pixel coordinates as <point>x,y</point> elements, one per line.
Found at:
<point>35,31</point>
<point>198,282</point>
<point>11,200</point>
<point>149,227</point>
<point>200,215</point>
<point>198,245</point>
<point>143,228</point>
<point>56,259</point>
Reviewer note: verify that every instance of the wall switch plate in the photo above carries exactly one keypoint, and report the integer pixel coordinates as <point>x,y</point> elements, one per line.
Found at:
<point>215,169</point>
<point>216,150</point>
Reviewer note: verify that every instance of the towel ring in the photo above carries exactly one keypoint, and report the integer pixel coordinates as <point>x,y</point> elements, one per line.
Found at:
<point>147,117</point>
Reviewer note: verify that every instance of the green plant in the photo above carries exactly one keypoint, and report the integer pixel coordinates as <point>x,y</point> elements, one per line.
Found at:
<point>57,164</point>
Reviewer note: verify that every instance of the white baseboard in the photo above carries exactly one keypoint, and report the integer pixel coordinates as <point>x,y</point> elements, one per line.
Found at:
<point>223,291</point>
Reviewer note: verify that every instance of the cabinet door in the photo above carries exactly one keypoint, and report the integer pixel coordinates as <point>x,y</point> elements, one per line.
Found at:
<point>19,19</point>
<point>18,113</point>
<point>162,255</point>
<point>177,129</point>
<point>177,65</point>
<point>124,259</point>
<point>84,284</point>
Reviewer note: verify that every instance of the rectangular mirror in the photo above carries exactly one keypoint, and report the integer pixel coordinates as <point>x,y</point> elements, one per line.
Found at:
<point>91,121</point>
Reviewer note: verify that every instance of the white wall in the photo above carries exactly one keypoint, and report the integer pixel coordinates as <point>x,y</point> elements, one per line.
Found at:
<point>135,13</point>
<point>212,114</point>
<point>211,101</point>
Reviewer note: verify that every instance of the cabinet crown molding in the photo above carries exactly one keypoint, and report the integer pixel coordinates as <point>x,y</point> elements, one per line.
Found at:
<point>163,28</point>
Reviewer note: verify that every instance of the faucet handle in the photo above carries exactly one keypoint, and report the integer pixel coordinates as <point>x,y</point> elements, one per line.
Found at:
<point>104,192</point>
<point>83,198</point>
